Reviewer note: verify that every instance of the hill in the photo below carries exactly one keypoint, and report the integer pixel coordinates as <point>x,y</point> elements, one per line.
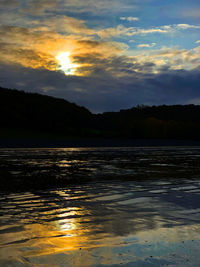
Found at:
<point>163,122</point>
<point>28,114</point>
<point>35,112</point>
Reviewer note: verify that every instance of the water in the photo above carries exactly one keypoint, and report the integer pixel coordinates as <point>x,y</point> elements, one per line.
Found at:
<point>139,207</point>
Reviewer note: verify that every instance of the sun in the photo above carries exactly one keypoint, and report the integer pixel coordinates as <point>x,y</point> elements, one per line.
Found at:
<point>65,63</point>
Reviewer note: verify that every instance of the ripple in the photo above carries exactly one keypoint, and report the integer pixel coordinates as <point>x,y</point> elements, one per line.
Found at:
<point>140,206</point>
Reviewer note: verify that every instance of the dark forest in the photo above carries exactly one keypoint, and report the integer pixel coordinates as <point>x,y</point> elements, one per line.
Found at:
<point>23,113</point>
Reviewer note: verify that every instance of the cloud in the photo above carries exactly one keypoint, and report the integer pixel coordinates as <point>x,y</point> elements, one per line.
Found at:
<point>146,45</point>
<point>92,56</point>
<point>107,92</point>
<point>65,25</point>
<point>129,18</point>
<point>171,58</point>
<point>36,7</point>
<point>38,52</point>
<point>53,23</point>
<point>10,4</point>
<point>96,6</point>
<point>27,57</point>
<point>186,26</point>
<point>44,46</point>
<point>121,30</point>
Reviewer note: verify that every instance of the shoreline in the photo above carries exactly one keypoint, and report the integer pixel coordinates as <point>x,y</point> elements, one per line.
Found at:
<point>92,142</point>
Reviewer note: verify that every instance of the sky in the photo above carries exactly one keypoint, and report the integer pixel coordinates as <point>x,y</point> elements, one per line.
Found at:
<point>105,55</point>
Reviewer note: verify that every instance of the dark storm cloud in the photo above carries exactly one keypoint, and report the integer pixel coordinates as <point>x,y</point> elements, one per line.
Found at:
<point>99,65</point>
<point>108,93</point>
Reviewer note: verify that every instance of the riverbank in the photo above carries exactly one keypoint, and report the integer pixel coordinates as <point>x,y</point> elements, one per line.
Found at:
<point>90,142</point>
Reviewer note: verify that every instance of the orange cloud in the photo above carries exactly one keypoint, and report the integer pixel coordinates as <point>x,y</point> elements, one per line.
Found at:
<point>38,47</point>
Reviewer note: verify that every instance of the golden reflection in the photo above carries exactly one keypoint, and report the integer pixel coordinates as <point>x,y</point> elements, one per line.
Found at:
<point>70,229</point>
<point>66,240</point>
<point>70,235</point>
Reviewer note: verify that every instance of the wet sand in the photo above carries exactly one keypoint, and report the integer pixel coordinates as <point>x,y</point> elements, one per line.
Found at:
<point>150,221</point>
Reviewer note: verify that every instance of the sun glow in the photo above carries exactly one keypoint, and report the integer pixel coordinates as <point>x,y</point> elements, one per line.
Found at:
<point>65,63</point>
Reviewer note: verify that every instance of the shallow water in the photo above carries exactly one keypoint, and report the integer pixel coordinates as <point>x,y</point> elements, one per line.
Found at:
<point>148,214</point>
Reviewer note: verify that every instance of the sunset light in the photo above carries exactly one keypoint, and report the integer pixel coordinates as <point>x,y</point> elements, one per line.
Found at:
<point>99,133</point>
<point>65,63</point>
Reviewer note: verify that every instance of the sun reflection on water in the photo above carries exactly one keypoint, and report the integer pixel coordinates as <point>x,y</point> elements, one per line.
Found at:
<point>102,223</point>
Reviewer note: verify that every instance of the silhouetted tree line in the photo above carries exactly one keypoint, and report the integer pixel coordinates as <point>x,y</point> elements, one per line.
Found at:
<point>31,111</point>
<point>35,112</point>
